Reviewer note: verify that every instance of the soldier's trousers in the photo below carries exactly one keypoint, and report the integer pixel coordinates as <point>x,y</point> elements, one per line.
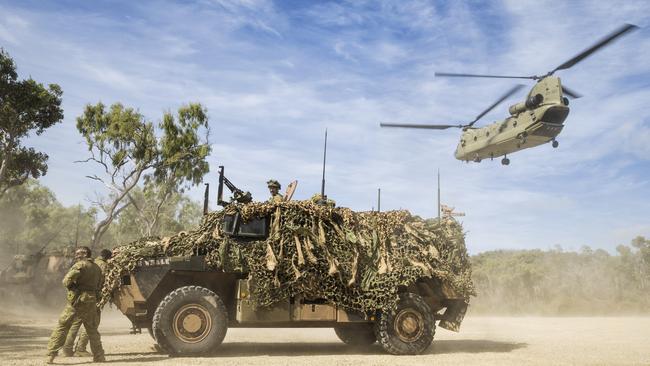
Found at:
<point>89,315</point>
<point>82,343</point>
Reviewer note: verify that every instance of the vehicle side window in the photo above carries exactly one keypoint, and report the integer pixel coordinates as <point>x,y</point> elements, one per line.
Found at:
<point>257,227</point>
<point>229,224</point>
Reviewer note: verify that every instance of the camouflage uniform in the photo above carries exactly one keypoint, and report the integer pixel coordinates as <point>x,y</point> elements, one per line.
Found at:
<point>276,198</point>
<point>84,281</point>
<point>69,348</point>
<point>274,187</point>
<point>318,199</point>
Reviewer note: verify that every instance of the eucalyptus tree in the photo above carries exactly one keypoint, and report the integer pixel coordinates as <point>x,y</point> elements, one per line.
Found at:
<point>26,106</point>
<point>130,150</point>
<point>32,219</point>
<point>155,212</point>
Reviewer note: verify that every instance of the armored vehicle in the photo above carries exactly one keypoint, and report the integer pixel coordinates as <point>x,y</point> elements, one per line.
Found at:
<point>294,264</point>
<point>35,277</point>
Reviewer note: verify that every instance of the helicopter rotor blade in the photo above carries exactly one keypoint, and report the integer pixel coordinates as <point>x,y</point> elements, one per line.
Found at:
<point>570,92</point>
<point>584,54</point>
<point>427,127</point>
<point>503,97</point>
<point>451,74</point>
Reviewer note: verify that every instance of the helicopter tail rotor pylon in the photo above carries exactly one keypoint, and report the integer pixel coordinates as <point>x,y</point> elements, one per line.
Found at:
<point>570,92</point>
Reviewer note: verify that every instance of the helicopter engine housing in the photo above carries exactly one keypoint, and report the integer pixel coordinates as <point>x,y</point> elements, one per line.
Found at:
<point>515,109</point>
<point>531,103</point>
<point>534,100</point>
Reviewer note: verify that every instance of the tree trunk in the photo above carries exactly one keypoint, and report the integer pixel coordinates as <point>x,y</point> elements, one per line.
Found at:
<point>3,172</point>
<point>113,211</point>
<point>152,225</point>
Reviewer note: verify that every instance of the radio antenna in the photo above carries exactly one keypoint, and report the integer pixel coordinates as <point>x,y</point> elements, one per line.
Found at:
<point>322,187</point>
<point>438,194</point>
<point>378,199</point>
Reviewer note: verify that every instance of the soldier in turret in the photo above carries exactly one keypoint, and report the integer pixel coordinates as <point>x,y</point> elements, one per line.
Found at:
<point>80,350</point>
<point>274,188</point>
<point>84,280</point>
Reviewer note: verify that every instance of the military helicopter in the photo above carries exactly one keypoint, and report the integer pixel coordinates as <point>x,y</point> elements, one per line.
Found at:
<point>535,121</point>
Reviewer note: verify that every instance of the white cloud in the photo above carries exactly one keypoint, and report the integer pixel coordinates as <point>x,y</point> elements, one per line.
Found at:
<point>9,25</point>
<point>273,79</point>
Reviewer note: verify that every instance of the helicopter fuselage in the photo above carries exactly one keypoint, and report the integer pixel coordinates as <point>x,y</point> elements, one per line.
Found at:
<point>533,122</point>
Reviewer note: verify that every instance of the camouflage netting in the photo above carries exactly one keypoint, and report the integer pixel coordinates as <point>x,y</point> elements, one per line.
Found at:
<point>356,260</point>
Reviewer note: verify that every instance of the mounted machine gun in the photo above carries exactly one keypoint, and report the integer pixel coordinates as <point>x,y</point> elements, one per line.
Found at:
<point>238,195</point>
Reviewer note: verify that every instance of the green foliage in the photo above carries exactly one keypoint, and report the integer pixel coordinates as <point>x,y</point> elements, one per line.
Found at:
<point>147,216</point>
<point>31,218</point>
<point>26,106</point>
<point>131,149</point>
<point>181,150</point>
<point>556,282</point>
<point>118,136</point>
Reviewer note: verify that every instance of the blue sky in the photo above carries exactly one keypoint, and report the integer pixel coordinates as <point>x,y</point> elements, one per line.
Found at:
<point>274,75</point>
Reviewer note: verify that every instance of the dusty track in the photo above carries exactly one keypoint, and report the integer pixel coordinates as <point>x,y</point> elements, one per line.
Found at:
<point>482,341</point>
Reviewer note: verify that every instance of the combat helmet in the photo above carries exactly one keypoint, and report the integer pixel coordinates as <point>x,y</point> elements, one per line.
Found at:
<point>273,183</point>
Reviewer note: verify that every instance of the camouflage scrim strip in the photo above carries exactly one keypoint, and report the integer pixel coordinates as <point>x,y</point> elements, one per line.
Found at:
<point>357,260</point>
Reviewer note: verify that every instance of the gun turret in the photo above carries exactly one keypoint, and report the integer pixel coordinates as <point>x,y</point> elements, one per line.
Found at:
<point>238,195</point>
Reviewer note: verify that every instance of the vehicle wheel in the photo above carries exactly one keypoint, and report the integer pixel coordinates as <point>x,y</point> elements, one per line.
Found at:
<point>356,334</point>
<point>410,329</point>
<point>190,320</point>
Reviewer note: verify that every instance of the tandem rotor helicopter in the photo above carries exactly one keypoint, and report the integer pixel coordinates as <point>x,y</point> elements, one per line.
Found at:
<point>535,121</point>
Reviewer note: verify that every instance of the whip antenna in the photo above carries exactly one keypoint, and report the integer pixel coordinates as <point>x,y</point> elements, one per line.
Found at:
<point>438,194</point>
<point>322,187</point>
<point>378,199</point>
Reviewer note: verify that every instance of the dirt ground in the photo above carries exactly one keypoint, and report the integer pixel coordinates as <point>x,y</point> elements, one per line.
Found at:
<point>482,341</point>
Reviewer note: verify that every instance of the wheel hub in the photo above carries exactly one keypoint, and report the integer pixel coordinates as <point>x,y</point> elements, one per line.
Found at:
<point>192,323</point>
<point>409,325</point>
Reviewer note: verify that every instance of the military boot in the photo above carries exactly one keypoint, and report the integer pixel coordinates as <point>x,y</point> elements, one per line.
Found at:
<point>99,359</point>
<point>82,353</point>
<point>50,359</point>
<point>67,352</point>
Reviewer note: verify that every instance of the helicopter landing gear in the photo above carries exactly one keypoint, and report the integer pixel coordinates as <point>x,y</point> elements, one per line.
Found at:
<point>555,144</point>
<point>505,161</point>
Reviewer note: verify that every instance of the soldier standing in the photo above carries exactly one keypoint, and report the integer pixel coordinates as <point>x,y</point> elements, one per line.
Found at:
<point>274,188</point>
<point>84,281</point>
<point>80,351</point>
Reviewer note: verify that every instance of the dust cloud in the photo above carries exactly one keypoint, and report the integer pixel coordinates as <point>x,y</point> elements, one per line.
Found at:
<point>482,341</point>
